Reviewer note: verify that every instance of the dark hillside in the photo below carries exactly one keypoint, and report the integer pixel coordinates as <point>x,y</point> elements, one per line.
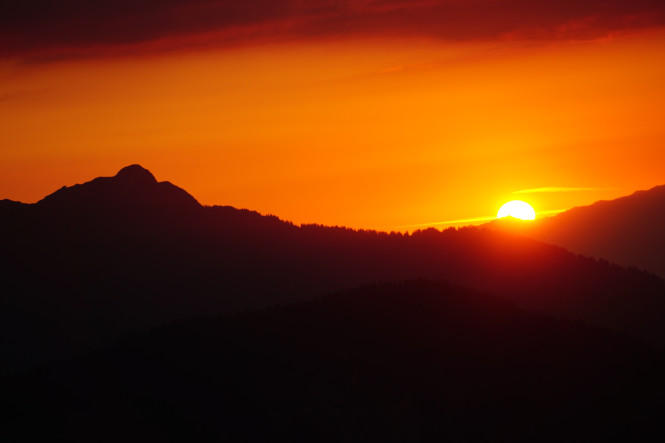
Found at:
<point>417,361</point>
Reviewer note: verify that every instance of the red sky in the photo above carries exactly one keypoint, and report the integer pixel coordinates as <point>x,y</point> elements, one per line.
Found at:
<point>372,114</point>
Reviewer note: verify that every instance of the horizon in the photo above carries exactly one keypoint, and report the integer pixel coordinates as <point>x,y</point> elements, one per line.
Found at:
<point>476,221</point>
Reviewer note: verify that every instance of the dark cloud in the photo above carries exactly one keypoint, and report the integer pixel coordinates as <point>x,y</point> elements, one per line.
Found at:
<point>39,27</point>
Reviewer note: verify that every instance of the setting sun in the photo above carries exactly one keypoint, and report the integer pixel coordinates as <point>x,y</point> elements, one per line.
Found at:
<point>517,209</point>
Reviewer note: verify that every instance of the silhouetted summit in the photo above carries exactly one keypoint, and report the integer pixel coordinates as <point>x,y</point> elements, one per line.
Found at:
<point>136,174</point>
<point>133,187</point>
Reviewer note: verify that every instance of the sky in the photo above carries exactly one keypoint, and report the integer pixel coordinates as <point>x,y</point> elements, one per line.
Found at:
<point>378,114</point>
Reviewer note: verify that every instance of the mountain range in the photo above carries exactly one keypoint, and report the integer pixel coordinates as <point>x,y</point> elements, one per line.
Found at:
<point>126,294</point>
<point>92,262</point>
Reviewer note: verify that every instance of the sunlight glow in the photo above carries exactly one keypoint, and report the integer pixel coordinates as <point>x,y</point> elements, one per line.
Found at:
<point>517,209</point>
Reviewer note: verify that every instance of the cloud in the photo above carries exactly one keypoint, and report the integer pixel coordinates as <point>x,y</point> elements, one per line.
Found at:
<point>471,221</point>
<point>47,27</point>
<point>558,189</point>
<point>449,222</point>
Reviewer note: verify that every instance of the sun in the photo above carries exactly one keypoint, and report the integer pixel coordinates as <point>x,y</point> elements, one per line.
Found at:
<point>517,209</point>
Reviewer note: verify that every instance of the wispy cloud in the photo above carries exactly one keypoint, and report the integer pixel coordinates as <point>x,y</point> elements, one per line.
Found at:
<point>471,220</point>
<point>558,189</point>
<point>449,222</point>
<point>551,212</point>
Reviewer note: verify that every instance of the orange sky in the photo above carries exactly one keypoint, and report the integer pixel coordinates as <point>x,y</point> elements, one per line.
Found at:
<point>367,132</point>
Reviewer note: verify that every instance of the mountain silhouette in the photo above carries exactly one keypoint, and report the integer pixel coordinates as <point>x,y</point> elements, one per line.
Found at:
<point>133,187</point>
<point>414,361</point>
<point>628,230</point>
<point>94,262</point>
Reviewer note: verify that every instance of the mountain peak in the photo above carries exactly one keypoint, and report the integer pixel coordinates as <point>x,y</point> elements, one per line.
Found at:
<point>136,174</point>
<point>133,186</point>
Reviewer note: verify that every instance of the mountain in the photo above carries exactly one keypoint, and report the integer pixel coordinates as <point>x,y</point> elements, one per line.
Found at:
<point>628,231</point>
<point>414,361</point>
<point>133,187</point>
<point>94,262</point>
